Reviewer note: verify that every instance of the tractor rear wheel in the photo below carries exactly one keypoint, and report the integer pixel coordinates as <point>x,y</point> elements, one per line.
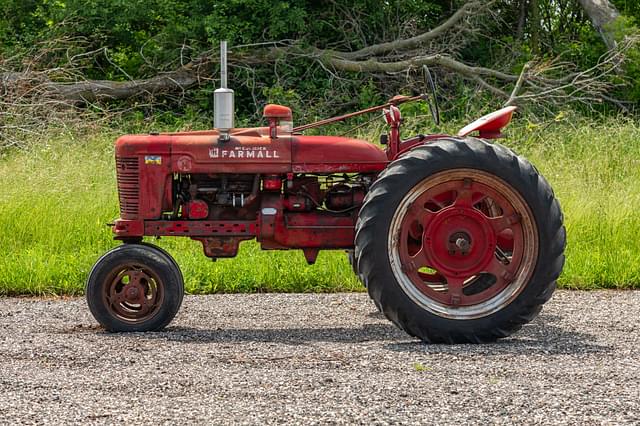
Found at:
<point>460,241</point>
<point>135,287</point>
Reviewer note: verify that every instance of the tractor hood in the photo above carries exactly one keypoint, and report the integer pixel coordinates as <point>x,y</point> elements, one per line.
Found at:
<point>333,154</point>
<point>253,151</point>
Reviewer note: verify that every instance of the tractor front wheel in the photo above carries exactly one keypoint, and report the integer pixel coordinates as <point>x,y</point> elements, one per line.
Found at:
<point>460,241</point>
<point>135,287</point>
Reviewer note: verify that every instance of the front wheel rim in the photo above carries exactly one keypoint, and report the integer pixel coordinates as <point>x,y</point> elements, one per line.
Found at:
<point>133,293</point>
<point>463,244</point>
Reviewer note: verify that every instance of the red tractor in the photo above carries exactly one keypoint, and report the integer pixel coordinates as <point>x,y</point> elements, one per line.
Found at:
<point>456,239</point>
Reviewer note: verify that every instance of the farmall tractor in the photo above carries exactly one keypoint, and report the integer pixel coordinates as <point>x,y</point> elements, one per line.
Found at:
<point>456,239</point>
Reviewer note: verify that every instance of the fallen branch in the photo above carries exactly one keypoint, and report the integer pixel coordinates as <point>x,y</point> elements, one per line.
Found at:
<point>413,42</point>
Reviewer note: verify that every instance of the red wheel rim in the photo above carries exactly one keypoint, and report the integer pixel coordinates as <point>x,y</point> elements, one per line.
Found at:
<point>463,243</point>
<point>133,293</point>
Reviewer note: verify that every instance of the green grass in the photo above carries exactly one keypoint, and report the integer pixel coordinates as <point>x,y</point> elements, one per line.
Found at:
<point>56,199</point>
<point>595,172</point>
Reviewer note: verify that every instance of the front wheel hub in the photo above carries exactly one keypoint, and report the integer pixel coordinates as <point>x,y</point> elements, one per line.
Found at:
<point>134,293</point>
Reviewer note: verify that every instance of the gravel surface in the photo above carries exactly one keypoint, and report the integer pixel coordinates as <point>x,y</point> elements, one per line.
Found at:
<point>317,358</point>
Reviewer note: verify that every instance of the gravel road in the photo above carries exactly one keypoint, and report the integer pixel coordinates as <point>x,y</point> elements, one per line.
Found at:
<point>328,358</point>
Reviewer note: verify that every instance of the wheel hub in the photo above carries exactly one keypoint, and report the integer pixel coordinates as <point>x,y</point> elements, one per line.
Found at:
<point>132,293</point>
<point>459,241</point>
<point>462,243</point>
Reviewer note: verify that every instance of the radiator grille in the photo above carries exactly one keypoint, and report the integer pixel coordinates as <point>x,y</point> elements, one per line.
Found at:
<point>128,186</point>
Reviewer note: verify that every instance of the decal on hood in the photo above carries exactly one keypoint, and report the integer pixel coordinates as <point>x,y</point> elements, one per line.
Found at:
<point>243,152</point>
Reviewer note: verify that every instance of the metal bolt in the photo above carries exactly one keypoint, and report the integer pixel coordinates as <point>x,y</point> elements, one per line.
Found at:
<point>462,244</point>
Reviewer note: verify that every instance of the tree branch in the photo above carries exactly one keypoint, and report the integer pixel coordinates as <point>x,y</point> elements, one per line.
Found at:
<point>372,65</point>
<point>94,90</point>
<point>411,43</point>
<point>518,85</point>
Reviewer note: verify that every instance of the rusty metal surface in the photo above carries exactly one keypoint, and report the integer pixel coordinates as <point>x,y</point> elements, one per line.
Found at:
<point>199,228</point>
<point>329,154</point>
<point>128,175</point>
<point>215,247</point>
<point>396,100</point>
<point>133,293</point>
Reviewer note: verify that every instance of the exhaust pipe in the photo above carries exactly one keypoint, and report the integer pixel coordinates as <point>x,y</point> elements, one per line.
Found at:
<point>223,99</point>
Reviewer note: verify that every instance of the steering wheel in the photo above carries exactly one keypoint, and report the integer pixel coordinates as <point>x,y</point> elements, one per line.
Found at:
<point>432,100</point>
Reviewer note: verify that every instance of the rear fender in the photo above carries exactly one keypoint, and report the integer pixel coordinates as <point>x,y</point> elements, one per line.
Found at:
<point>408,144</point>
<point>489,126</point>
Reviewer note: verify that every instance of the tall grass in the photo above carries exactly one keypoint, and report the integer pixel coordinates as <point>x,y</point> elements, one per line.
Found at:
<point>55,200</point>
<point>595,172</point>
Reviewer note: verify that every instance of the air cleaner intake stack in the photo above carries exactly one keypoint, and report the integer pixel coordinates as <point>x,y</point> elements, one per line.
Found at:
<point>223,99</point>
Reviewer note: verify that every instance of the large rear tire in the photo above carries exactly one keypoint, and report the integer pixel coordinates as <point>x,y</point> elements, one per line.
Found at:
<point>460,241</point>
<point>135,287</point>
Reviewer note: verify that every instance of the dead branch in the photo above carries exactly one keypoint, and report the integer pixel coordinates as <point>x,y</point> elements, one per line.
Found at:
<point>372,65</point>
<point>85,90</point>
<point>518,85</point>
<point>419,40</point>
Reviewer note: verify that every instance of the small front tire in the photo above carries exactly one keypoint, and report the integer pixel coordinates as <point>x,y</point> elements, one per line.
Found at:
<point>135,287</point>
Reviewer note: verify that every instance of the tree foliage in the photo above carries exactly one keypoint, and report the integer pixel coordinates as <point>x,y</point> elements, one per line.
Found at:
<point>121,40</point>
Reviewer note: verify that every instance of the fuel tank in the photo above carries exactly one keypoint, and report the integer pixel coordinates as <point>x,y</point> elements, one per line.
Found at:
<point>252,151</point>
<point>333,154</point>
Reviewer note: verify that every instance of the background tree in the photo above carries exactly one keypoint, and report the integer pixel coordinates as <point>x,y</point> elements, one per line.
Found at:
<point>155,55</point>
<point>603,14</point>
